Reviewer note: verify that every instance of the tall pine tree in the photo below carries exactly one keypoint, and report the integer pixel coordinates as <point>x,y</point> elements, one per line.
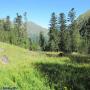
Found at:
<point>62,32</point>
<point>74,32</point>
<point>53,33</point>
<point>42,41</point>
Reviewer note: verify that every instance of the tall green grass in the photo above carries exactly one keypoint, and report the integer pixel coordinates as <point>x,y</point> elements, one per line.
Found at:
<point>19,72</point>
<point>27,70</point>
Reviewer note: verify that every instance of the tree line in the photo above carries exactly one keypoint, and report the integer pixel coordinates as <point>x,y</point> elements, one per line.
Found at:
<point>67,35</point>
<point>14,32</point>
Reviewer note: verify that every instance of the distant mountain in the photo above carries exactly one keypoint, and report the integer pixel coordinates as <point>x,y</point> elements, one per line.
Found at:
<point>35,29</point>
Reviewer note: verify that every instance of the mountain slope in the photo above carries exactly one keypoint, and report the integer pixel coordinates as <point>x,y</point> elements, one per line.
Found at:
<point>34,30</point>
<point>83,17</point>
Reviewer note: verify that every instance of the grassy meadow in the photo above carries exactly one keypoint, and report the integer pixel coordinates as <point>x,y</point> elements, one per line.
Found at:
<point>29,70</point>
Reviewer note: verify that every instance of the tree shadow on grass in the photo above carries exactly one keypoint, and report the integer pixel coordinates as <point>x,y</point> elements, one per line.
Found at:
<point>65,77</point>
<point>79,58</point>
<point>73,58</point>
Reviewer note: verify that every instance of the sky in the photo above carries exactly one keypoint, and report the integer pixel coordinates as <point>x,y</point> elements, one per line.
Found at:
<point>39,11</point>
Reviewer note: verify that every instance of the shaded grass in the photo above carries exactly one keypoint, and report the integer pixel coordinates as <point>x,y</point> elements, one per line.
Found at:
<point>66,73</point>
<point>61,76</point>
<point>79,58</point>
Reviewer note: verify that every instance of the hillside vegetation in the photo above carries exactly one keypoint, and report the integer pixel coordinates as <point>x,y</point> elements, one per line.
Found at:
<point>19,72</point>
<point>27,70</point>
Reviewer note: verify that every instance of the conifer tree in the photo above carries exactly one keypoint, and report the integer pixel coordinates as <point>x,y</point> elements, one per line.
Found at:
<point>62,32</point>
<point>42,41</point>
<point>85,33</point>
<point>74,32</point>
<point>53,33</point>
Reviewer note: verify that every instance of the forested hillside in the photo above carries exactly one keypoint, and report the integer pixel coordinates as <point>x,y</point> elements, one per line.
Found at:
<point>66,34</point>
<point>70,35</point>
<point>14,32</point>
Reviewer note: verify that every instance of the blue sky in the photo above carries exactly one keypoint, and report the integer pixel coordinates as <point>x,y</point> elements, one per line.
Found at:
<point>39,11</point>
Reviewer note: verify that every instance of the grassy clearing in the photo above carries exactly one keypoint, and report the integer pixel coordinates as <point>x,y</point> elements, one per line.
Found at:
<point>19,72</point>
<point>29,70</point>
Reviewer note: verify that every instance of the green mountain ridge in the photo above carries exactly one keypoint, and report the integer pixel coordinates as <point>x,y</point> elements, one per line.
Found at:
<point>83,17</point>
